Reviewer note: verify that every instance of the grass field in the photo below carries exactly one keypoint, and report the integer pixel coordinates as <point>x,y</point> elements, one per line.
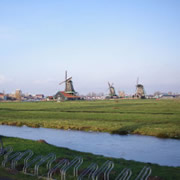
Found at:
<point>159,118</point>
<point>163,172</point>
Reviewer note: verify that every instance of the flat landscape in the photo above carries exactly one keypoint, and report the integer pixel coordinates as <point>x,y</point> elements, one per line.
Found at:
<point>160,118</point>
<point>121,56</point>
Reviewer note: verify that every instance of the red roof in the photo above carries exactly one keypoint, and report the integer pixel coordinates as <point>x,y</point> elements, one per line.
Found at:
<point>68,95</point>
<point>50,97</point>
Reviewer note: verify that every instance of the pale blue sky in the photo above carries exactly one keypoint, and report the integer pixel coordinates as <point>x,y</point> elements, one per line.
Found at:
<point>95,40</point>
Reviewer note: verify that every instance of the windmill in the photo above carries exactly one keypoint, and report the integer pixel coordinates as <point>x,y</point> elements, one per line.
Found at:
<point>140,92</point>
<point>68,85</point>
<point>112,92</point>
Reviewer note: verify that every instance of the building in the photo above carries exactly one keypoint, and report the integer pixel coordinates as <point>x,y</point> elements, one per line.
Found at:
<point>167,96</point>
<point>49,98</point>
<point>18,94</point>
<point>2,96</point>
<point>39,96</point>
<point>140,92</point>
<point>63,96</point>
<point>122,94</point>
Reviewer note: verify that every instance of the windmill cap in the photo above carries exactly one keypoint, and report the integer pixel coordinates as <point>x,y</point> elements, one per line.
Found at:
<point>139,85</point>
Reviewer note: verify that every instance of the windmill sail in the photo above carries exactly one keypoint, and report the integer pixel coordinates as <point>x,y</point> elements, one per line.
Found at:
<point>68,85</point>
<point>140,92</point>
<point>112,92</point>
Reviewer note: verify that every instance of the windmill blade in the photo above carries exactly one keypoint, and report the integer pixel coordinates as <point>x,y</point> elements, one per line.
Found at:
<point>137,81</point>
<point>65,80</point>
<point>65,75</point>
<point>109,84</point>
<point>69,79</point>
<point>62,82</point>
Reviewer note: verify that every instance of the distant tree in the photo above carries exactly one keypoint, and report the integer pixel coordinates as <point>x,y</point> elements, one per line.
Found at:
<point>101,94</point>
<point>94,94</point>
<point>157,93</point>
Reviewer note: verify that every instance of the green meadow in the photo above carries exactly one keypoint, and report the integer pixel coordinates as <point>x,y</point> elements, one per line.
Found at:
<point>159,118</point>
<point>40,148</point>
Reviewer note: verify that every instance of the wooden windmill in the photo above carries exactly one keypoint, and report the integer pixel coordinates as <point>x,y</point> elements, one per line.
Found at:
<point>140,92</point>
<point>69,93</point>
<point>112,92</point>
<point>68,85</point>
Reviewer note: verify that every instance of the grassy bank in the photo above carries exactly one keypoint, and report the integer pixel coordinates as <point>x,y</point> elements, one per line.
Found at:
<point>159,118</point>
<point>163,172</point>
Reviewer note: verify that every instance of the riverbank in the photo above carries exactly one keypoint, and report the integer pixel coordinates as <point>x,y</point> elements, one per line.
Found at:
<point>160,118</point>
<point>39,147</point>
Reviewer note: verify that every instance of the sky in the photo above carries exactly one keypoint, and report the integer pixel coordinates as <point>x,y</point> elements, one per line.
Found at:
<point>96,41</point>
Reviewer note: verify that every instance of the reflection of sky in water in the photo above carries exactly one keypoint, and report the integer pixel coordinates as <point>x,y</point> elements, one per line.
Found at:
<point>130,147</point>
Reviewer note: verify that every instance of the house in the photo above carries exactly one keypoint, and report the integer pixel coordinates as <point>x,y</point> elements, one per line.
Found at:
<point>167,96</point>
<point>2,96</point>
<point>49,98</point>
<point>39,96</point>
<point>63,96</point>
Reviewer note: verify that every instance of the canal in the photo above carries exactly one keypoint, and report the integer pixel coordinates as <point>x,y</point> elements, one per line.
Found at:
<point>130,147</point>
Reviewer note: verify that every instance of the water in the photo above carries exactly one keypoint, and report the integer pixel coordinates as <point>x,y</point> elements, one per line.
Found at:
<point>130,147</point>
